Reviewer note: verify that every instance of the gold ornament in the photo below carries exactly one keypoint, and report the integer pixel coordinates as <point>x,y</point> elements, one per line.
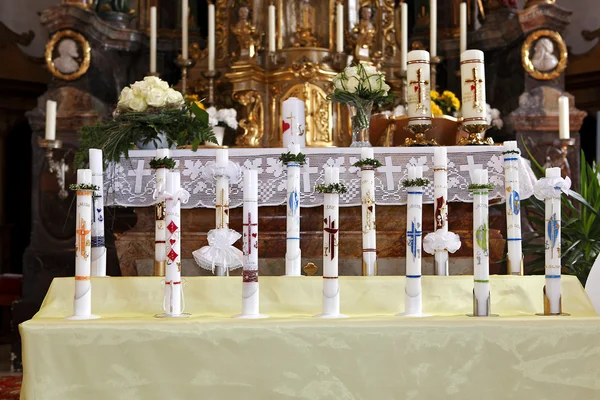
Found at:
<point>68,55</point>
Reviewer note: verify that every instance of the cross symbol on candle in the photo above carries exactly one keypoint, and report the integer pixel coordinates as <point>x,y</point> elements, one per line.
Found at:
<point>412,236</point>
<point>370,203</point>
<point>81,238</point>
<point>331,230</point>
<point>222,209</point>
<point>291,118</point>
<point>420,89</point>
<point>475,85</point>
<point>250,234</point>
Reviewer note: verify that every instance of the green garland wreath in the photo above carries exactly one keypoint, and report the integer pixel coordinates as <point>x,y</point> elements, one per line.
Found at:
<point>418,182</point>
<point>338,188</point>
<point>82,186</point>
<point>368,162</point>
<point>288,157</point>
<point>165,162</point>
<point>480,186</point>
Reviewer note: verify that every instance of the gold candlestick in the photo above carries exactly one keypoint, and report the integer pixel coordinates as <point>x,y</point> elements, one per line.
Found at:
<point>475,138</point>
<point>211,76</point>
<point>58,168</point>
<point>420,130</point>
<point>184,65</point>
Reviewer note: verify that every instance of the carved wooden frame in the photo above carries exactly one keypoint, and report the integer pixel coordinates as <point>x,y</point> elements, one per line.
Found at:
<point>526,52</point>
<point>85,49</point>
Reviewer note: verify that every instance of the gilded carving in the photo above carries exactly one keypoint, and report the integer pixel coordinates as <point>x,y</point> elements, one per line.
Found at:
<point>544,54</point>
<point>305,37</point>
<point>248,37</point>
<point>254,121</point>
<point>68,55</point>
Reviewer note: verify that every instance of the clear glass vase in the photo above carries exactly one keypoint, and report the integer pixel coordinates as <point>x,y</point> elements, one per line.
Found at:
<point>360,114</point>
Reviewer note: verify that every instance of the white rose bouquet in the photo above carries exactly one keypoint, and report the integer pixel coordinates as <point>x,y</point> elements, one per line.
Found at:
<point>225,117</point>
<point>148,111</point>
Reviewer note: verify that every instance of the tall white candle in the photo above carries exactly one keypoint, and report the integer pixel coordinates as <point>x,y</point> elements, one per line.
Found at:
<point>564,130</point>
<point>272,32</point>
<point>481,260</point>
<point>472,75</point>
<point>184,29</point>
<point>160,231</point>
<point>552,235</point>
<point>369,235</point>
<point>463,27</point>
<point>339,40</point>
<point>433,28</point>
<point>293,254</point>
<point>293,122</point>
<point>173,284</point>
<point>98,248</point>
<point>414,232</point>
<point>222,189</point>
<point>211,37</point>
<point>404,35</point>
<point>153,40</point>
<point>50,120</point>
<point>418,81</point>
<point>440,204</point>
<point>513,206</point>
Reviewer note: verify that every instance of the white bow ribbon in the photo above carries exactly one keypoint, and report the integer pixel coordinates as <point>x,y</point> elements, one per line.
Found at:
<point>441,241</point>
<point>180,195</point>
<point>233,171</point>
<point>551,187</point>
<point>220,251</point>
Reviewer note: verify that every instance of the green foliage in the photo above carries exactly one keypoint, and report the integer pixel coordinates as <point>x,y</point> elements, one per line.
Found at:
<point>480,186</point>
<point>165,162</point>
<point>288,157</point>
<point>368,162</point>
<point>119,135</point>
<point>82,186</point>
<point>418,182</point>
<point>338,188</point>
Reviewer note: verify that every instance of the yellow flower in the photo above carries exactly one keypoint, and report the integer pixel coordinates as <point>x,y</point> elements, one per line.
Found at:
<point>435,109</point>
<point>199,104</point>
<point>434,95</point>
<point>448,94</point>
<point>456,104</point>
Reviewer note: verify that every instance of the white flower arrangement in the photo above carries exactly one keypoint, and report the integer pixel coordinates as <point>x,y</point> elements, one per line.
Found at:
<point>362,82</point>
<point>226,117</point>
<point>151,93</point>
<point>493,117</point>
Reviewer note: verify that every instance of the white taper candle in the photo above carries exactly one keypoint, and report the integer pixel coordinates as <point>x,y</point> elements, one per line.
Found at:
<point>173,246</point>
<point>331,227</point>
<point>184,29</point>
<point>211,37</point>
<point>481,260</point>
<point>513,206</point>
<point>552,235</point>
<point>272,28</point>
<point>463,27</point>
<point>98,247</point>
<point>339,39</point>
<point>440,203</point>
<point>153,40</point>
<point>369,233</point>
<point>564,130</point>
<point>404,35</point>
<point>50,120</point>
<point>414,231</point>
<point>433,28</point>
<point>293,254</point>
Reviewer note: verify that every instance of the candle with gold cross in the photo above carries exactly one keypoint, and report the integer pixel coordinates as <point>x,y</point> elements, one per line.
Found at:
<point>472,71</point>
<point>419,86</point>
<point>369,238</point>
<point>293,122</point>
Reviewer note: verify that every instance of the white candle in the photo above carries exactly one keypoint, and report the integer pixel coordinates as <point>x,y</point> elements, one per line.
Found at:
<point>160,232</point>
<point>184,29</point>
<point>250,289</point>
<point>418,83</point>
<point>50,120</point>
<point>433,28</point>
<point>293,122</point>
<point>414,231</point>
<point>153,40</point>
<point>211,37</point>
<point>564,131</point>
<point>173,287</point>
<point>472,75</point>
<point>369,235</point>
<point>272,28</point>
<point>481,260</point>
<point>463,27</point>
<point>552,235</point>
<point>293,254</point>
<point>222,188</point>
<point>440,203</point>
<point>331,227</point>
<point>404,35</point>
<point>513,207</point>
<point>339,40</point>
<point>98,248</point>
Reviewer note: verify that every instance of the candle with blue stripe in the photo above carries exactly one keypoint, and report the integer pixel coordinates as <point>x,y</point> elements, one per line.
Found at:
<point>293,253</point>
<point>414,236</point>
<point>513,207</point>
<point>481,256</point>
<point>98,248</point>
<point>369,240</point>
<point>552,240</point>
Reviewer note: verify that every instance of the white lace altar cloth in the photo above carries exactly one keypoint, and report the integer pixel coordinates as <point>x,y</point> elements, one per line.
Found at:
<point>131,182</point>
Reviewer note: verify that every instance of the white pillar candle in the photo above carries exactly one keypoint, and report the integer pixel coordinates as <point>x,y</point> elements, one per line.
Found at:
<point>513,207</point>
<point>369,235</point>
<point>552,235</point>
<point>463,27</point>
<point>184,29</point>
<point>293,122</point>
<point>414,233</point>
<point>481,260</point>
<point>153,40</point>
<point>82,304</point>
<point>433,28</point>
<point>293,254</point>
<point>160,231</point>
<point>564,130</point>
<point>211,37</point>
<point>272,28</point>
<point>418,83</point>
<point>440,204</point>
<point>50,120</point>
<point>98,247</point>
<point>404,35</point>
<point>472,75</point>
<point>173,283</point>
<point>339,40</point>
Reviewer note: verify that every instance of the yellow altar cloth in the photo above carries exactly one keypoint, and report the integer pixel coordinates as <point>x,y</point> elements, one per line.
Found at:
<point>129,354</point>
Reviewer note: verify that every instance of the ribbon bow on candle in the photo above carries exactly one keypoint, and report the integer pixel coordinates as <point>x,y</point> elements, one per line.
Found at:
<point>552,187</point>
<point>160,188</point>
<point>441,241</point>
<point>212,171</point>
<point>180,195</point>
<point>220,250</point>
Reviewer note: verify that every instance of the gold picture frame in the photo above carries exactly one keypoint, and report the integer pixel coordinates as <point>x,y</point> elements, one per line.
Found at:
<point>68,55</point>
<point>544,48</point>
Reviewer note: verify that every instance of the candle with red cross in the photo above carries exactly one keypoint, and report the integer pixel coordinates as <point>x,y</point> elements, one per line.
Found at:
<point>173,246</point>
<point>472,75</point>
<point>418,87</point>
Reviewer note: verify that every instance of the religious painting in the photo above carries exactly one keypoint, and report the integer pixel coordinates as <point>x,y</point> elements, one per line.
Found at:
<point>544,54</point>
<point>68,55</point>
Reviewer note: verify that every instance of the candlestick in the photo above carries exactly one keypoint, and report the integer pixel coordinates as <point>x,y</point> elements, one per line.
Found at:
<point>404,35</point>
<point>339,40</point>
<point>440,205</point>
<point>293,254</point>
<point>184,64</point>
<point>152,40</point>
<point>369,235</point>
<point>472,71</point>
<point>50,120</point>
<point>481,260</point>
<point>82,302</point>
<point>563,118</point>
<point>433,28</point>
<point>98,248</point>
<point>513,208</point>
<point>293,122</point>
<point>463,27</point>
<point>272,28</point>
<point>211,37</point>
<point>184,29</point>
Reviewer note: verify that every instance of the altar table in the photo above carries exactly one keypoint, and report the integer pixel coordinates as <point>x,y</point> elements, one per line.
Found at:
<point>373,355</point>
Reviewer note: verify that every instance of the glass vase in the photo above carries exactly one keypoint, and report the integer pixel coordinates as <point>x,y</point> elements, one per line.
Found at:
<point>360,115</point>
